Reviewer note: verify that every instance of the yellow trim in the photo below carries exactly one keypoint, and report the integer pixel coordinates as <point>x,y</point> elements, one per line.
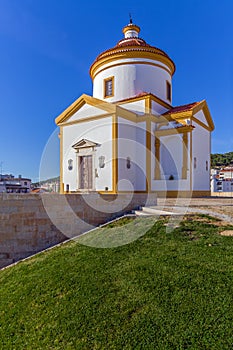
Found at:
<point>87,119</point>
<point>61,161</point>
<point>201,124</point>
<point>114,153</point>
<point>80,102</point>
<point>104,87</point>
<point>185,156</point>
<point>144,118</point>
<point>174,131</point>
<point>95,102</point>
<point>144,97</point>
<point>148,156</point>
<point>131,27</point>
<point>106,192</point>
<point>149,53</point>
<point>148,104</point>
<point>191,160</point>
<point>181,115</point>
<point>169,85</point>
<point>202,105</point>
<point>124,112</point>
<point>157,159</point>
<point>124,63</point>
<point>183,194</point>
<point>159,101</point>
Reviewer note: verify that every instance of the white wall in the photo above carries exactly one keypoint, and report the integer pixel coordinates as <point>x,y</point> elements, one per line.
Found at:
<point>136,106</point>
<point>99,131</point>
<point>132,139</point>
<point>86,111</point>
<point>171,162</point>
<point>200,116</point>
<point>132,79</point>
<point>157,108</point>
<point>201,151</point>
<point>171,156</point>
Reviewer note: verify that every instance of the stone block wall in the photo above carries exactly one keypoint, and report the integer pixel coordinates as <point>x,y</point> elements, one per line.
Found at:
<point>30,223</point>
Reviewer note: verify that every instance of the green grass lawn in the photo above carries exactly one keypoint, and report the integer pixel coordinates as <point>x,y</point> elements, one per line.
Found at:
<point>162,291</point>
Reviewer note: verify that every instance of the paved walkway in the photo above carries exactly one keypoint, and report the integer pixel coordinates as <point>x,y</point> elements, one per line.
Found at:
<point>221,208</point>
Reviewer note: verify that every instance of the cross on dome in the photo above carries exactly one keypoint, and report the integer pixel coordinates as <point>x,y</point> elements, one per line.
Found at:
<point>131,30</point>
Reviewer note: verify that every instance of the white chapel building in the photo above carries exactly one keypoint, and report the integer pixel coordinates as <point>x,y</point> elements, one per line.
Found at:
<point>128,137</point>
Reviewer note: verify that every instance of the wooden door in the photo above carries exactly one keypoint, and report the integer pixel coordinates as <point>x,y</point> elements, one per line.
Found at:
<point>86,172</point>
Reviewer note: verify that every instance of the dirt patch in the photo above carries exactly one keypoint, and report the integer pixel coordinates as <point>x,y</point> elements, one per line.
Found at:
<point>227,233</point>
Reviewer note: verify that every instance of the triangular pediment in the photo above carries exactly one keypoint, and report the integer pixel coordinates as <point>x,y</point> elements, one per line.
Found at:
<point>84,143</point>
<point>85,107</point>
<point>202,114</point>
<point>197,111</point>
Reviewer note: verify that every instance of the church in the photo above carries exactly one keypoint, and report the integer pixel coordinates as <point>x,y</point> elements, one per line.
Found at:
<point>128,137</point>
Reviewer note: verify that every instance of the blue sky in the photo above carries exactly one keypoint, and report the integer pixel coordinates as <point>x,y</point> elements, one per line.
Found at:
<point>47,47</point>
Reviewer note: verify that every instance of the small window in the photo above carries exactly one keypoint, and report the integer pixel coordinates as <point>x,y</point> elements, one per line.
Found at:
<point>70,164</point>
<point>169,95</point>
<point>195,162</point>
<point>206,165</point>
<point>108,87</point>
<point>128,163</point>
<point>101,161</point>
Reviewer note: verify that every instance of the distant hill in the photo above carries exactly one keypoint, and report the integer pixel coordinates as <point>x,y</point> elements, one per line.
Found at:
<point>218,159</point>
<point>51,180</point>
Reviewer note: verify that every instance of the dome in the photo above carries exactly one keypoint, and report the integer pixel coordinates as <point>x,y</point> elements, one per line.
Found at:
<point>131,67</point>
<point>133,46</point>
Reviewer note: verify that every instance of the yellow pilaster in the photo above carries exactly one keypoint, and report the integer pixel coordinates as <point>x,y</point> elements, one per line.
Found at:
<point>157,159</point>
<point>114,153</point>
<point>148,155</point>
<point>61,160</point>
<point>185,156</point>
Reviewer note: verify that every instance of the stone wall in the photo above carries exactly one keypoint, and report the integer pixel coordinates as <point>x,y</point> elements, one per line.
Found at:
<point>30,223</point>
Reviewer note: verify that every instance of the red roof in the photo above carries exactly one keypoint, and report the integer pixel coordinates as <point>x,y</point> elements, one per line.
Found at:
<point>226,170</point>
<point>141,94</point>
<point>132,42</point>
<point>184,108</point>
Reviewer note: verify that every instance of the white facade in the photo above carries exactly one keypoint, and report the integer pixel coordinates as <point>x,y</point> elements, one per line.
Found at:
<point>128,137</point>
<point>132,77</point>
<point>221,185</point>
<point>222,180</point>
<point>98,131</point>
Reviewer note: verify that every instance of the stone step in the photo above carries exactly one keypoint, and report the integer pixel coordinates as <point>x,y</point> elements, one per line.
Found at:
<point>141,213</point>
<point>151,211</point>
<point>156,211</point>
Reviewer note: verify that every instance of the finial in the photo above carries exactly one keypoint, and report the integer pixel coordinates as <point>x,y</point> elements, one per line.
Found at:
<point>130,19</point>
<point>131,30</point>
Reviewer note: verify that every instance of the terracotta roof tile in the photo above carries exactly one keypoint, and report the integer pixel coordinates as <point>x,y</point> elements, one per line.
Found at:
<point>184,108</point>
<point>132,42</point>
<point>141,94</point>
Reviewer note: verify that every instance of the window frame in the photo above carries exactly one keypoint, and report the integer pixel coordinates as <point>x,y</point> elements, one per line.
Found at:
<point>168,90</point>
<point>105,87</point>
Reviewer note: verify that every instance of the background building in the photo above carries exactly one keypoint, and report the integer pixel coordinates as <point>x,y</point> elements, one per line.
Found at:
<point>222,180</point>
<point>10,184</point>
